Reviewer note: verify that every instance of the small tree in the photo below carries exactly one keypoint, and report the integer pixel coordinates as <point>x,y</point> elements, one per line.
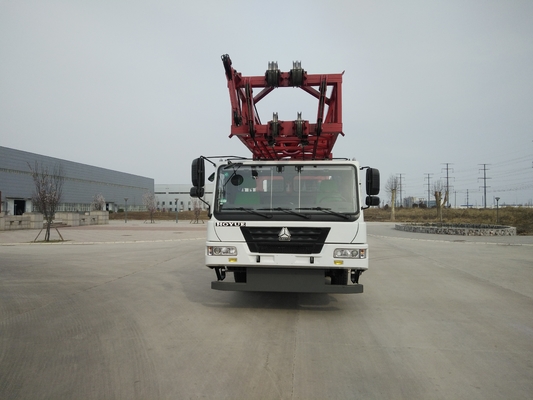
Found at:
<point>438,189</point>
<point>98,203</point>
<point>150,202</point>
<point>47,192</point>
<point>197,209</point>
<point>392,187</point>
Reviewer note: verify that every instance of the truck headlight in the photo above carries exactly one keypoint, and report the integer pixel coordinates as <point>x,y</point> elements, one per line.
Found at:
<point>221,251</point>
<point>349,253</point>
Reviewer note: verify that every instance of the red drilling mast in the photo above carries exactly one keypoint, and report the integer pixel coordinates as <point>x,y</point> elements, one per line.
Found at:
<point>275,140</point>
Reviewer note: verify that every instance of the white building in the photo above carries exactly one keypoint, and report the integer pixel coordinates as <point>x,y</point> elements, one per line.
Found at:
<point>174,197</point>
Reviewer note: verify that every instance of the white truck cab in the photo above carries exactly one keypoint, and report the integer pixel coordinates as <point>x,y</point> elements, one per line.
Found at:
<point>287,225</point>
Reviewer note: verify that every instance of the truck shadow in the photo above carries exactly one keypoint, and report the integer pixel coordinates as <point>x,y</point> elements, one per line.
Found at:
<point>274,300</point>
<point>195,283</point>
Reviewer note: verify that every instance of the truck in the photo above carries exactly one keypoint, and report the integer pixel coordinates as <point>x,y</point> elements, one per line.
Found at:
<point>290,217</point>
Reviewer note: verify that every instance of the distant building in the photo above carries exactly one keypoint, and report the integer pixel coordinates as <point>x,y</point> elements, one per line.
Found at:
<point>82,182</point>
<point>174,197</point>
<point>410,202</point>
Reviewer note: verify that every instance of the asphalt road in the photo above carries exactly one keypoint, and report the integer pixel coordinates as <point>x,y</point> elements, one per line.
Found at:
<point>439,319</point>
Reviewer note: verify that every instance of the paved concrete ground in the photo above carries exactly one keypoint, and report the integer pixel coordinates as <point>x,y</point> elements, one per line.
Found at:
<point>102,319</point>
<point>114,232</point>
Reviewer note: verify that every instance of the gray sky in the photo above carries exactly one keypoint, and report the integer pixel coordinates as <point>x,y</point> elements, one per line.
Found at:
<point>139,87</point>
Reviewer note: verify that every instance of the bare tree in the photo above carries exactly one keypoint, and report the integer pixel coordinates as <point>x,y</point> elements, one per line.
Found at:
<point>150,202</point>
<point>47,192</point>
<point>98,203</point>
<point>392,187</point>
<point>197,209</point>
<point>438,189</point>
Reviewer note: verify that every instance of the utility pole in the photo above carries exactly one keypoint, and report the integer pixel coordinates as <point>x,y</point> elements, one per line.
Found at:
<point>497,209</point>
<point>447,184</point>
<point>429,186</point>
<point>401,199</point>
<point>467,199</point>
<point>126,210</point>
<point>484,184</point>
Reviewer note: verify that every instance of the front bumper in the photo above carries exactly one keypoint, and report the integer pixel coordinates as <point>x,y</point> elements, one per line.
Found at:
<point>286,280</point>
<point>320,261</point>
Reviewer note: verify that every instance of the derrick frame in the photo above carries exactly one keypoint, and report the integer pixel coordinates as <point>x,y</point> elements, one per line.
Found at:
<point>275,140</point>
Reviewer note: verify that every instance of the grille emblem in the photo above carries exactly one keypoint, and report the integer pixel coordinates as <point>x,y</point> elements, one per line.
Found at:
<point>284,235</point>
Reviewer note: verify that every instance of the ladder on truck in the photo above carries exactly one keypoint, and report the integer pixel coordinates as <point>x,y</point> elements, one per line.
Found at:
<point>276,140</point>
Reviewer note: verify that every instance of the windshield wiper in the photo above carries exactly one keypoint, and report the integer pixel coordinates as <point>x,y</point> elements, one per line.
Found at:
<point>287,211</point>
<point>327,211</point>
<point>248,210</point>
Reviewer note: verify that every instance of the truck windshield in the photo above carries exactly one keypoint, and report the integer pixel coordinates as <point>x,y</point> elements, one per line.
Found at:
<point>287,192</point>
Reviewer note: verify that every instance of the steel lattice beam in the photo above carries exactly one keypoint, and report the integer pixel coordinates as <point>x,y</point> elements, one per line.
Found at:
<point>298,139</point>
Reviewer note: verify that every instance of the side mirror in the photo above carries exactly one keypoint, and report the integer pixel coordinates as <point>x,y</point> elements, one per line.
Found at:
<point>197,192</point>
<point>372,182</point>
<point>198,172</point>
<point>372,201</point>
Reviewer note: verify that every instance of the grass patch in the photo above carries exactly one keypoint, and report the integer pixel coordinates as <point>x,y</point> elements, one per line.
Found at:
<point>158,216</point>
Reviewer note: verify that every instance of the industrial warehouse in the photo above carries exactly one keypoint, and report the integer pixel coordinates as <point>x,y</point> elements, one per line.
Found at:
<point>81,184</point>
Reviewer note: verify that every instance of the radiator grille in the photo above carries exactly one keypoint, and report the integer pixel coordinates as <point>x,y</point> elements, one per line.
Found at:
<point>303,240</point>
